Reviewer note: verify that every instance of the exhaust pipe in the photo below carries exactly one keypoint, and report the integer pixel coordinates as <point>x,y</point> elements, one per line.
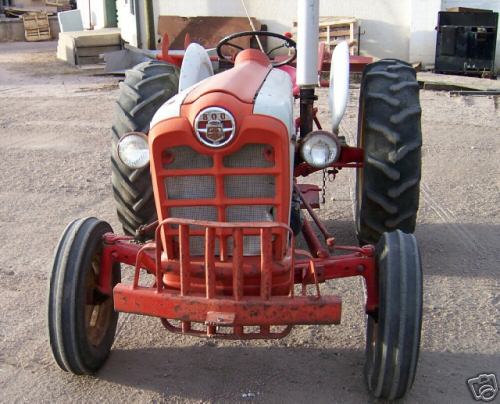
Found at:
<point>307,60</point>
<point>307,43</point>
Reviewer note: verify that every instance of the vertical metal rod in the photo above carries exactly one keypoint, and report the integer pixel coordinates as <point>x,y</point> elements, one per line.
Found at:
<point>265,263</point>
<point>210,270</point>
<point>237,264</point>
<point>158,250</point>
<point>209,262</point>
<point>307,98</point>
<point>90,16</point>
<point>137,271</point>
<point>238,330</point>
<point>359,40</point>
<point>186,326</point>
<point>223,248</point>
<point>185,267</point>
<point>292,269</point>
<point>184,258</point>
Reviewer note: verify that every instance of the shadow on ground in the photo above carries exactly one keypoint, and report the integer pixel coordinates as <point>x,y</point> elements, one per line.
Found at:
<point>447,249</point>
<point>281,374</point>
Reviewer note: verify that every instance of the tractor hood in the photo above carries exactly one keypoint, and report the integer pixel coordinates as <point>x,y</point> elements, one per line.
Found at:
<point>252,86</point>
<point>242,82</point>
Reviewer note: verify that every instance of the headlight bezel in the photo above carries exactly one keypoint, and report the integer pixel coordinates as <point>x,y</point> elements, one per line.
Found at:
<point>122,145</point>
<point>329,139</point>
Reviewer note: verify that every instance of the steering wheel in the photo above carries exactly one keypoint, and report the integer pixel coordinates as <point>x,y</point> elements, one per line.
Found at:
<point>287,43</point>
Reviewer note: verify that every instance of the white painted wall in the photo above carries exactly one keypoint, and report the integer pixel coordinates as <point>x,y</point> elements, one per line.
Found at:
<point>127,15</point>
<point>97,13</point>
<point>385,21</point>
<point>402,29</point>
<point>423,22</point>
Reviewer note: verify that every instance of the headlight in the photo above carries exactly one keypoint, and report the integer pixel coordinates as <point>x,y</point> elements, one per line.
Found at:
<point>133,150</point>
<point>320,149</point>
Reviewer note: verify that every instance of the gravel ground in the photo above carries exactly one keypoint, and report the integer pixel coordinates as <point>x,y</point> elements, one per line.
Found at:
<point>54,160</point>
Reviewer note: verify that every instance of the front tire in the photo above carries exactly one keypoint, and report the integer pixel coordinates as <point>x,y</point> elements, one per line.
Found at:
<point>393,334</point>
<point>389,131</point>
<point>82,321</point>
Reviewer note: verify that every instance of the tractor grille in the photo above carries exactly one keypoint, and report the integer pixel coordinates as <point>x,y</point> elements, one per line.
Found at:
<point>184,157</point>
<point>250,155</point>
<point>209,183</point>
<point>249,186</point>
<point>190,187</point>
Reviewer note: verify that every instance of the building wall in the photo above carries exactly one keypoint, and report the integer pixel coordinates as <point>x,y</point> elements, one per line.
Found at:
<point>402,29</point>
<point>423,21</point>
<point>96,11</point>
<point>127,14</point>
<point>385,22</point>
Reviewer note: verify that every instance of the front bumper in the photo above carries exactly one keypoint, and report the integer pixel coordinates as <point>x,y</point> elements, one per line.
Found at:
<point>269,309</point>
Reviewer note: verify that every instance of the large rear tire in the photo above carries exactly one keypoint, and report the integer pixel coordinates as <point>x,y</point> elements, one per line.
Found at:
<point>81,320</point>
<point>393,334</point>
<point>389,131</point>
<point>146,87</point>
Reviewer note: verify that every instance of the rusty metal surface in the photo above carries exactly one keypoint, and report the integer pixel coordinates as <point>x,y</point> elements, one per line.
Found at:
<point>264,300</point>
<point>239,309</point>
<point>310,193</point>
<point>253,311</point>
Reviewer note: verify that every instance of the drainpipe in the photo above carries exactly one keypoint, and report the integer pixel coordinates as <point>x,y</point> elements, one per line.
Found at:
<point>136,12</point>
<point>150,24</point>
<point>90,16</point>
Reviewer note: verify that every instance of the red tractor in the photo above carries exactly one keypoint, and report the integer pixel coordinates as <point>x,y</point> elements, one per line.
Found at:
<point>205,181</point>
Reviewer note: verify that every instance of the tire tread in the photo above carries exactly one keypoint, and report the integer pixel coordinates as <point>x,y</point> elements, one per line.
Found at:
<point>146,87</point>
<point>389,131</point>
<point>392,357</point>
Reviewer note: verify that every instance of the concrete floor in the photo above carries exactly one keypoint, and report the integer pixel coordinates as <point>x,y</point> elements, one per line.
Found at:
<point>54,159</point>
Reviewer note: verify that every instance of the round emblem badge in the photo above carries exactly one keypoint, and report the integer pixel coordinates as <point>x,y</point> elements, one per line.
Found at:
<point>215,127</point>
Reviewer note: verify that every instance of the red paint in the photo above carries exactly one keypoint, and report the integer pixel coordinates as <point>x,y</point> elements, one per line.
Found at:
<point>230,289</point>
<point>251,68</point>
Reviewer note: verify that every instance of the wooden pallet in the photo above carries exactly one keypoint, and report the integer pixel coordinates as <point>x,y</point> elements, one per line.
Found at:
<point>61,5</point>
<point>36,27</point>
<point>336,30</point>
<point>333,30</point>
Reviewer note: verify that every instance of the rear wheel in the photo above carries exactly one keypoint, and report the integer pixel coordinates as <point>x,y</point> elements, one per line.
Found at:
<point>393,335</point>
<point>82,321</point>
<point>389,131</point>
<point>145,89</point>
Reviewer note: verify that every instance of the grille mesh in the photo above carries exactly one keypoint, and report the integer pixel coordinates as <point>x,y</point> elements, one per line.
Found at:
<point>185,157</point>
<point>190,187</point>
<point>254,213</point>
<point>196,243</point>
<point>249,186</point>
<point>250,155</point>
<point>194,212</point>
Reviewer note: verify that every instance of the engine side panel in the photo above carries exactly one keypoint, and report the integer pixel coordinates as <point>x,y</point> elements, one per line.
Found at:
<point>275,99</point>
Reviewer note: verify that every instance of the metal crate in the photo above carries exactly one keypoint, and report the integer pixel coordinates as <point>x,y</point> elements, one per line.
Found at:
<point>466,43</point>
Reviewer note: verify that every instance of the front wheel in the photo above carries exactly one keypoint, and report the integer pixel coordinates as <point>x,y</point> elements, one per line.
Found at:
<point>82,321</point>
<point>393,334</point>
